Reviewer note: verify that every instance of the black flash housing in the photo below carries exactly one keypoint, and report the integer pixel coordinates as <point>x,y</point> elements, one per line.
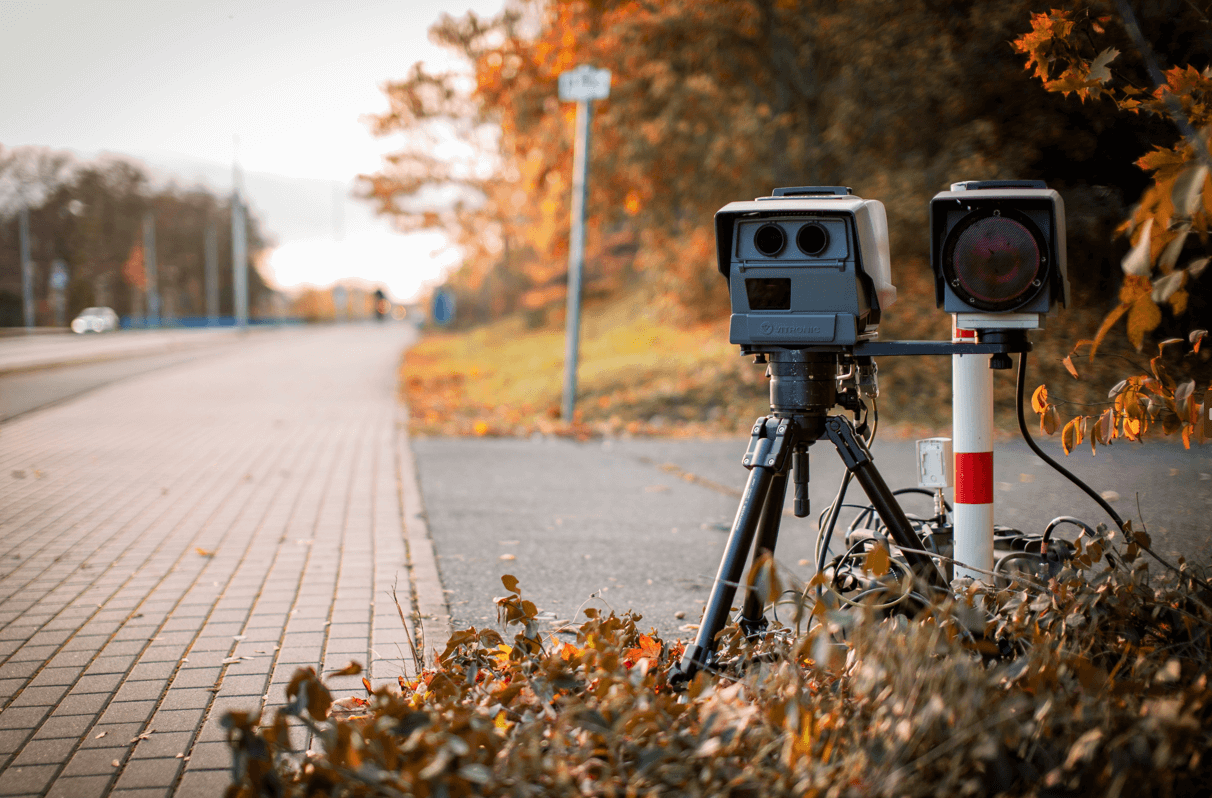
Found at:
<point>998,247</point>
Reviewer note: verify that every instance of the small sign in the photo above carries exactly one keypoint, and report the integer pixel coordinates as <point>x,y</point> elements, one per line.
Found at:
<point>585,83</point>
<point>443,307</point>
<point>58,276</point>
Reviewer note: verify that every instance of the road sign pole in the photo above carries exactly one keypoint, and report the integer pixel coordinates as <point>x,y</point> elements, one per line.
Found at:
<point>27,268</point>
<point>582,85</point>
<point>576,256</point>
<point>239,261</point>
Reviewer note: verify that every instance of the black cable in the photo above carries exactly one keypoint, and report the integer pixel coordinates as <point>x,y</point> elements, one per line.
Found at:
<point>1064,519</point>
<point>1022,426</point>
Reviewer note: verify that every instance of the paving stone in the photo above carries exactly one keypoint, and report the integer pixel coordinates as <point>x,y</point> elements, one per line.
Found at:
<point>22,780</point>
<point>40,696</point>
<point>128,712</point>
<point>159,772</point>
<point>140,792</point>
<point>80,787</point>
<point>109,735</point>
<point>57,726</point>
<point>11,740</point>
<point>23,718</point>
<point>94,762</point>
<point>187,698</point>
<point>177,719</point>
<point>196,677</point>
<point>83,704</point>
<point>242,455</point>
<point>203,783</point>
<point>243,685</point>
<point>140,691</point>
<point>44,752</point>
<point>101,683</point>
<point>155,671</point>
<point>161,744</point>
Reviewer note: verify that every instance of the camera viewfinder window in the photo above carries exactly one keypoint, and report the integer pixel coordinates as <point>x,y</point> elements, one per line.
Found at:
<point>768,293</point>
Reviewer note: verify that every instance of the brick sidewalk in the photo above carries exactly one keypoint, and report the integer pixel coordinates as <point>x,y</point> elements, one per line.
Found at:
<point>174,546</point>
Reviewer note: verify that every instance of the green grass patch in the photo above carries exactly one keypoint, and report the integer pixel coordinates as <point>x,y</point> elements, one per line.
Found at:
<point>639,372</point>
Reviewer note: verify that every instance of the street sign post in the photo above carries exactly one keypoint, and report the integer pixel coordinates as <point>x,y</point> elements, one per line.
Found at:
<point>582,85</point>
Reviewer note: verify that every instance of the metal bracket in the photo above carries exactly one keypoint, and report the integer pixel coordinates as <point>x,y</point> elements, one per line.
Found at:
<point>852,450</point>
<point>768,444</point>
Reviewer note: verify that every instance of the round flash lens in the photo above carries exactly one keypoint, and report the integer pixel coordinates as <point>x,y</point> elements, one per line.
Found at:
<point>812,239</point>
<point>995,263</point>
<point>770,240</point>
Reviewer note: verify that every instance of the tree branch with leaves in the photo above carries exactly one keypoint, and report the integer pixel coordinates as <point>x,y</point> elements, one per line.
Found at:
<point>1167,230</point>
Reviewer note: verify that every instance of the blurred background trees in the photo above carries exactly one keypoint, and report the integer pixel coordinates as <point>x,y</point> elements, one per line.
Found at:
<point>89,214</point>
<point>718,100</point>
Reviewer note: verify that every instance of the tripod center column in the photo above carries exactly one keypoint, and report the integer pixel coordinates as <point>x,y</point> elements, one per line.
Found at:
<point>803,384</point>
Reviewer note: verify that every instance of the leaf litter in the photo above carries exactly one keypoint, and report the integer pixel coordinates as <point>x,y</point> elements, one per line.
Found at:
<point>1095,682</point>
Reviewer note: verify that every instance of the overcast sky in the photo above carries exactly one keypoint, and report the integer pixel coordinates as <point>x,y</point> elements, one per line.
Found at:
<point>171,82</point>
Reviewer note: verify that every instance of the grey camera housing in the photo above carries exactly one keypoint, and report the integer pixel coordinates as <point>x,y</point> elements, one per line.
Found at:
<point>825,285</point>
<point>1038,209</point>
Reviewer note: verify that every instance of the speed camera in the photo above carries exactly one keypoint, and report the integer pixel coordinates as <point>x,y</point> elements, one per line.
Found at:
<point>806,267</point>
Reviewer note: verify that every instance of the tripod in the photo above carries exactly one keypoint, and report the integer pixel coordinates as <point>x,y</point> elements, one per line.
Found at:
<point>803,389</point>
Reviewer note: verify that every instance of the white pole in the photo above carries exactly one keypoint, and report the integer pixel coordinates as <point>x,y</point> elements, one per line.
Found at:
<point>239,261</point>
<point>576,256</point>
<point>972,441</point>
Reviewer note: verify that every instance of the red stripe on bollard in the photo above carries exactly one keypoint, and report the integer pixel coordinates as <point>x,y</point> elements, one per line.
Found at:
<point>974,477</point>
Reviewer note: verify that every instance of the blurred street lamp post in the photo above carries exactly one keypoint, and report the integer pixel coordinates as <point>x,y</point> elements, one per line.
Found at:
<point>149,269</point>
<point>212,275</point>
<point>239,260</point>
<point>582,85</point>
<point>27,268</point>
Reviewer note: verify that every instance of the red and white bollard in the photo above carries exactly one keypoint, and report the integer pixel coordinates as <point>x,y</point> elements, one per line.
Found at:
<point>972,442</point>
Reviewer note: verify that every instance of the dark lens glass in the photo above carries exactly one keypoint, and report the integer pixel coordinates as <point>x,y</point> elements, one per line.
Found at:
<point>996,261</point>
<point>768,293</point>
<point>769,240</point>
<point>812,239</point>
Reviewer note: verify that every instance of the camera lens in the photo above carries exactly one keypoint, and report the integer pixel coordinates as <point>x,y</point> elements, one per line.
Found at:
<point>812,239</point>
<point>770,240</point>
<point>995,262</point>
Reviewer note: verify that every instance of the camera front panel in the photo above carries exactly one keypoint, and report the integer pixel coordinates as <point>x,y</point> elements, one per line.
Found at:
<point>794,280</point>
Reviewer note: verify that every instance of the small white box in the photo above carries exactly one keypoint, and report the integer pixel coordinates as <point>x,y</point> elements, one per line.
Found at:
<point>935,463</point>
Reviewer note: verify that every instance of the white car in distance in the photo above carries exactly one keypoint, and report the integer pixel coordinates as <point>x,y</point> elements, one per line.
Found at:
<point>95,320</point>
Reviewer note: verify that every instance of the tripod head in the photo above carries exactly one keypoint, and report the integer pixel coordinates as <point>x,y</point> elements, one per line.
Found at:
<point>805,384</point>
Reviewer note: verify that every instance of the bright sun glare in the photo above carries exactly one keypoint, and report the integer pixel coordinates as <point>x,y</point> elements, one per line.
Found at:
<point>403,263</point>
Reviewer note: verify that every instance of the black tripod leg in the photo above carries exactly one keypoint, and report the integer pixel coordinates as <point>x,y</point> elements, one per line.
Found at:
<point>753,617</point>
<point>732,566</point>
<point>858,462</point>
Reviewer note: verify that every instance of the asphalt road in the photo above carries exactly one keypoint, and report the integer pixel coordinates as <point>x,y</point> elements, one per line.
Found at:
<point>23,391</point>
<point>616,523</point>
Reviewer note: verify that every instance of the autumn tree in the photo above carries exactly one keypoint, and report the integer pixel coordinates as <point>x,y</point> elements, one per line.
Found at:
<point>90,214</point>
<point>1102,53</point>
<point>711,102</point>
